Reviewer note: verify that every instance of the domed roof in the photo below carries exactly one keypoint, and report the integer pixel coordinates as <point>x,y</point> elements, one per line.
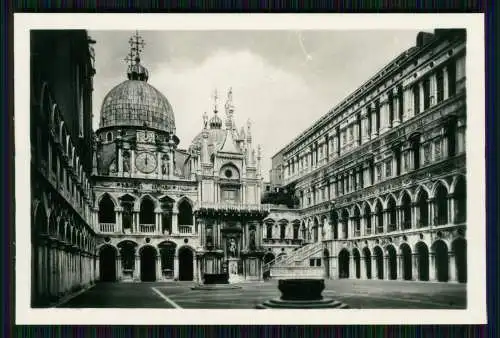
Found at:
<point>136,103</point>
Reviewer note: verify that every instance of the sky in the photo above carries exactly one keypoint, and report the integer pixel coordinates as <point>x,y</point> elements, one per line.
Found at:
<point>282,81</point>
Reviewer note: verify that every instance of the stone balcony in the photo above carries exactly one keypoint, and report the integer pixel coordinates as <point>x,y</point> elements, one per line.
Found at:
<point>146,229</point>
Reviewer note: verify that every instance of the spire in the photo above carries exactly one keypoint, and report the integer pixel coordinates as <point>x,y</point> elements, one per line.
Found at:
<point>229,109</point>
<point>249,131</point>
<point>215,121</point>
<point>136,71</point>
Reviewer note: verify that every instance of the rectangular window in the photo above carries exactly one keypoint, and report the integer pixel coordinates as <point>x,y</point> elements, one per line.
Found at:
<point>427,93</point>
<point>452,78</point>
<point>440,85</point>
<point>416,99</point>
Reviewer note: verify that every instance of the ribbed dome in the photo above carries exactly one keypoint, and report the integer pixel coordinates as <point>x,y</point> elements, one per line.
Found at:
<point>136,103</point>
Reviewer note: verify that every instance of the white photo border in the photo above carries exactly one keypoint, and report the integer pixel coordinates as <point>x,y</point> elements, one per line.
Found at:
<point>475,313</point>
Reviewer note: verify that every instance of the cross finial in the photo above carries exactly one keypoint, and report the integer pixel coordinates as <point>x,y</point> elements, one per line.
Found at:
<point>137,44</point>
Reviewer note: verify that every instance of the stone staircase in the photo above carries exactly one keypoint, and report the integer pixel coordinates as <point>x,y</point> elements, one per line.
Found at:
<point>296,264</point>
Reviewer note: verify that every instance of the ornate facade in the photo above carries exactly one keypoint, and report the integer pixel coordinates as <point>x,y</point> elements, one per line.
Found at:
<point>381,178</point>
<point>63,238</point>
<point>162,212</point>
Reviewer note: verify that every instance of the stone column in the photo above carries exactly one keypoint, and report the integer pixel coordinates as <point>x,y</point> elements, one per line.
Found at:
<point>395,105</point>
<point>159,163</point>
<point>158,268</point>
<point>432,267</point>
<point>171,163</point>
<point>176,267</point>
<point>352,267</point>
<point>374,267</point>
<point>452,271</point>
<point>132,161</point>
<point>421,96</point>
<point>373,110</point>
<point>137,267</point>
<point>433,90</point>
<point>384,113</point>
<point>120,161</point>
<point>119,269</point>
<point>430,205</point>
<point>415,266</point>
<point>445,83</point>
<point>400,267</point>
<point>386,268</point>
<point>175,230</point>
<point>362,264</point>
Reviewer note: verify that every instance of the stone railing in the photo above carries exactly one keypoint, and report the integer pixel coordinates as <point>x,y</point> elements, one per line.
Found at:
<point>233,206</point>
<point>296,256</point>
<point>185,229</point>
<point>148,228</point>
<point>107,227</point>
<point>284,272</point>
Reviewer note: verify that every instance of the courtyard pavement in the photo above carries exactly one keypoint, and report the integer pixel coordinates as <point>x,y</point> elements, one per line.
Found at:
<point>364,294</point>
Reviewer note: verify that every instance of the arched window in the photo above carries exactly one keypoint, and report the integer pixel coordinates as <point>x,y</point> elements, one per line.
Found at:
<point>146,215</point>
<point>296,230</point>
<point>460,196</point>
<point>368,220</point>
<point>282,230</point>
<point>106,210</point>
<point>391,211</point>
<point>357,222</point>
<point>185,213</point>
<point>335,224</point>
<point>442,205</point>
<point>109,137</point>
<point>345,220</point>
<point>423,209</point>
<point>269,230</point>
<point>406,210</point>
<point>380,217</point>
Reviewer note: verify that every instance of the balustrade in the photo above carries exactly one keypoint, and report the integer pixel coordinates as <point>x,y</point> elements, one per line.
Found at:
<point>107,227</point>
<point>185,229</point>
<point>147,228</point>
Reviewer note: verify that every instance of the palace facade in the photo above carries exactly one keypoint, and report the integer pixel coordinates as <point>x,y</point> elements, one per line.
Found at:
<point>381,178</point>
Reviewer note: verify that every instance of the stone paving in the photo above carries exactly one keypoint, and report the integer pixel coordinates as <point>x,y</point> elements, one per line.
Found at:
<point>371,294</point>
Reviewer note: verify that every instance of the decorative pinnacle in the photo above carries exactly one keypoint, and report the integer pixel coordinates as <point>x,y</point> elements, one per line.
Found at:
<point>215,97</point>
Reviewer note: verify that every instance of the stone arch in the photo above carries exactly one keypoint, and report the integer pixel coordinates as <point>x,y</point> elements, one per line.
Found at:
<point>422,257</point>
<point>106,209</point>
<point>421,188</point>
<point>52,226</point>
<point>147,208</point>
<point>402,194</point>
<point>104,194</point>
<point>230,170</point>
<point>406,261</point>
<point>439,250</point>
<point>459,193</point>
<point>435,186</point>
<point>356,255</point>
<point>459,248</point>
<point>367,257</point>
<point>367,214</point>
<point>343,263</point>
<point>356,216</point>
<point>440,193</point>
<point>379,261</point>
<point>40,219</point>
<point>392,215</point>
<point>378,209</point>
<point>138,201</point>
<point>405,203</point>
<point>167,251</point>
<point>421,199</point>
<point>148,255</point>
<point>107,262</point>
<point>186,266</point>
<point>127,252</point>
<point>344,220</point>
<point>391,261</point>
<point>388,198</point>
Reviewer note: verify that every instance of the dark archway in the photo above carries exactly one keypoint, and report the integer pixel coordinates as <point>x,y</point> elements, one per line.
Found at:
<point>441,260</point>
<point>107,264</point>
<point>185,264</point>
<point>459,247</point>
<point>345,222</point>
<point>148,263</point>
<point>106,210</point>
<point>392,214</point>
<point>460,196</point>
<point>147,215</point>
<point>379,212</point>
<point>406,267</point>
<point>167,256</point>
<point>423,209</point>
<point>441,205</point>
<point>368,220</point>
<point>379,261</point>
<point>406,210</point>
<point>343,264</point>
<point>326,262</point>
<point>368,262</point>
<point>423,261</point>
<point>357,262</point>
<point>185,213</point>
<point>392,262</point>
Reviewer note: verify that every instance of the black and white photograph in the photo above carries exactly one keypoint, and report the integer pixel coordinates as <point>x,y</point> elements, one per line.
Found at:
<point>247,163</point>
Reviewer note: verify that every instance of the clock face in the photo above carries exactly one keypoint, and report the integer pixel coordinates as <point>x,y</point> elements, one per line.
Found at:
<point>145,162</point>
